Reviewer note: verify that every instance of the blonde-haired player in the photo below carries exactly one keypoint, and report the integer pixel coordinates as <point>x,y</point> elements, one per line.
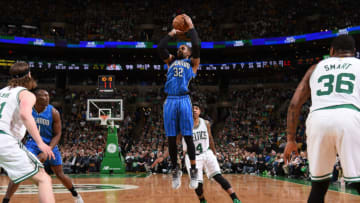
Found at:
<point>205,156</point>
<point>333,124</point>
<point>16,104</point>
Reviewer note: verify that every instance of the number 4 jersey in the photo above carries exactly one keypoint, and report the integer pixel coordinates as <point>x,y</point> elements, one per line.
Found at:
<point>200,137</point>
<point>10,122</point>
<point>335,81</point>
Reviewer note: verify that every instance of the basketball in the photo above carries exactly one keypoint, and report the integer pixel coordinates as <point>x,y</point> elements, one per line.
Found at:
<point>179,23</point>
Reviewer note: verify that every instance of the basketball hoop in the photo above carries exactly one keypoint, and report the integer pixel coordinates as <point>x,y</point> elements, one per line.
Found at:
<point>104,119</point>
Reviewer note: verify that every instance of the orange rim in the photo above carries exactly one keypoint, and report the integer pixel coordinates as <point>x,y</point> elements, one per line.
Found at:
<point>104,117</point>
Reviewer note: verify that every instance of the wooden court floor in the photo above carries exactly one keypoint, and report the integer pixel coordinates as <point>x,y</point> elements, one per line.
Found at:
<point>157,189</point>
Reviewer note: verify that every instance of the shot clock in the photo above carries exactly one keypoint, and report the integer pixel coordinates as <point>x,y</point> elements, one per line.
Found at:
<point>106,83</point>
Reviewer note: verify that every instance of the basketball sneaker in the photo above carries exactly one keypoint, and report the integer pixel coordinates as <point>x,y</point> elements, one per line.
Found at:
<point>78,199</point>
<point>176,178</point>
<point>193,179</point>
<point>236,201</point>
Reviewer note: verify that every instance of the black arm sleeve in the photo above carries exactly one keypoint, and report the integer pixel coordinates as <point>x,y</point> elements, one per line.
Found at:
<point>163,52</point>
<point>195,43</point>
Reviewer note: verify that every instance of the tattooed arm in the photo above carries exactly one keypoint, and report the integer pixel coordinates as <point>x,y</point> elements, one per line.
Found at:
<point>300,96</point>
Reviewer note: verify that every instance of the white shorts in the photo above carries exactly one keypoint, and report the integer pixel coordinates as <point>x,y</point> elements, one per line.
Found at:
<point>206,161</point>
<point>330,132</point>
<point>19,163</point>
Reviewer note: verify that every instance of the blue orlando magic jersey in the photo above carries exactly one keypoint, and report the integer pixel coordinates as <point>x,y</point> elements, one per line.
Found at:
<point>178,77</point>
<point>44,122</point>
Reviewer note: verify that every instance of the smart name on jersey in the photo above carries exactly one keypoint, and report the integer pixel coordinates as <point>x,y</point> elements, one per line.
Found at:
<point>335,81</point>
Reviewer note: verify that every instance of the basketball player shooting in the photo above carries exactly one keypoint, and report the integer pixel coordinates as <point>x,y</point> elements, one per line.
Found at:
<point>332,126</point>
<point>178,117</point>
<point>48,120</point>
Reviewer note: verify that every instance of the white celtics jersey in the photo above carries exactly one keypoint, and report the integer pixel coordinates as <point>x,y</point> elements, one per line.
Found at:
<point>200,137</point>
<point>335,81</point>
<point>10,122</point>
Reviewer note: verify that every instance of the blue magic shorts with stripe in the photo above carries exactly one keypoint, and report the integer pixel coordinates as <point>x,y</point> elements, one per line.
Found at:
<point>33,148</point>
<point>178,116</point>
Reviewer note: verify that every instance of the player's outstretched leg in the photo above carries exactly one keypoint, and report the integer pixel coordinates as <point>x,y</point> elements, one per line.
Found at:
<point>193,170</point>
<point>200,193</point>
<point>318,191</point>
<point>176,171</point>
<point>227,187</point>
<point>12,187</point>
<point>66,181</point>
<point>43,181</point>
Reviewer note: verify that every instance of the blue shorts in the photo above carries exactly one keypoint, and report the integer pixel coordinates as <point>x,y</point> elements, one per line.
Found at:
<point>33,148</point>
<point>178,116</point>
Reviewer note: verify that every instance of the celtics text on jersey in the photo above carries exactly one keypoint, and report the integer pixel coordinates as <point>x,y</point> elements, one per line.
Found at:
<point>200,137</point>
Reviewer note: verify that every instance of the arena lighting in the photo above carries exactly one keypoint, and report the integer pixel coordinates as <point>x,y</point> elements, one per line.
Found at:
<point>63,65</point>
<point>325,34</point>
<point>29,26</point>
<point>240,66</point>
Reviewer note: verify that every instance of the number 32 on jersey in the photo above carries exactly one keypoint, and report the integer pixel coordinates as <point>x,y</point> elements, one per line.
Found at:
<point>178,71</point>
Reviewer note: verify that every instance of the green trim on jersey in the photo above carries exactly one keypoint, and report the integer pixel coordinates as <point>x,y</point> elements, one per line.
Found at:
<point>31,155</point>
<point>37,163</point>
<point>352,179</point>
<point>27,176</point>
<point>346,106</point>
<point>17,95</point>
<point>321,178</point>
<point>2,132</point>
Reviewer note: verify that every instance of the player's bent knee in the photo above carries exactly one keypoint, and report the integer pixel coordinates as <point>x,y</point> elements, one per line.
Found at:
<point>41,176</point>
<point>60,175</point>
<point>222,181</point>
<point>199,190</point>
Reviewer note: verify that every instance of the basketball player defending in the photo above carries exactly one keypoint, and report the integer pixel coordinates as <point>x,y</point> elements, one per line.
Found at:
<point>16,104</point>
<point>48,121</point>
<point>205,156</point>
<point>333,124</point>
<point>177,107</point>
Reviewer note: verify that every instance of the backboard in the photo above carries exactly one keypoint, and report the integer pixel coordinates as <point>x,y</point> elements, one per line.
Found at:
<point>96,108</point>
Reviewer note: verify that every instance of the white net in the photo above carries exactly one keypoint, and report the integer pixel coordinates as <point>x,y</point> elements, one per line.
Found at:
<point>104,119</point>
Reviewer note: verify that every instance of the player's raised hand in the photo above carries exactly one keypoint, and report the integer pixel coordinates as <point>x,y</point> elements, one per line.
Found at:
<point>46,150</point>
<point>175,32</point>
<point>290,147</point>
<point>188,21</point>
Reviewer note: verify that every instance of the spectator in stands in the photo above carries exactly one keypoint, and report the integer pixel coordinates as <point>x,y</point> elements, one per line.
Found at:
<point>249,163</point>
